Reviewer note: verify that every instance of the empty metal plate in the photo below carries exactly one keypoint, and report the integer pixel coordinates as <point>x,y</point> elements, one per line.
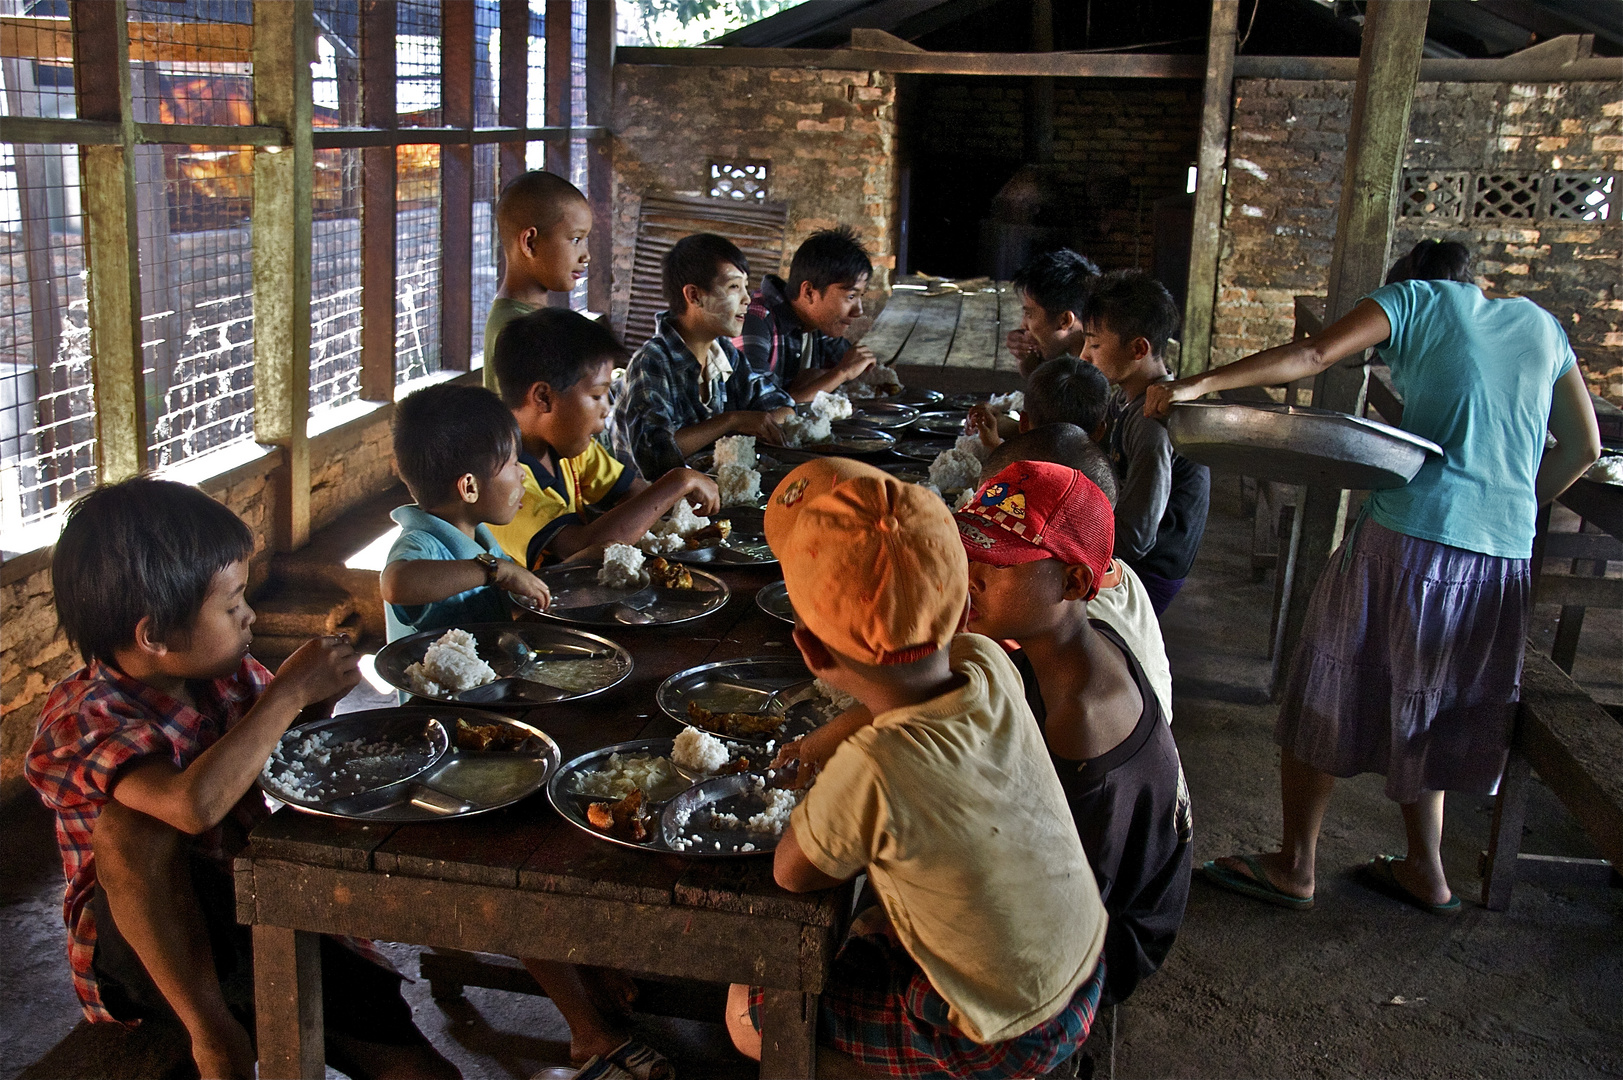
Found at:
<point>578,598</point>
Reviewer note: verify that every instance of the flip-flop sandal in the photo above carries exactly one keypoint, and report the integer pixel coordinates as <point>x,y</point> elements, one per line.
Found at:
<point>1377,874</point>
<point>596,1068</point>
<point>641,1062</point>
<point>1257,887</point>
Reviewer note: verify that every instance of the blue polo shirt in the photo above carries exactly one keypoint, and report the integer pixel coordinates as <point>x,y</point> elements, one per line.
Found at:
<point>425,536</point>
<point>1476,376</point>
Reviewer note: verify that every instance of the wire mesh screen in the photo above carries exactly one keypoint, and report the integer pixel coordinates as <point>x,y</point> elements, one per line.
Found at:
<point>417,262</point>
<point>38,73</point>
<point>486,249</point>
<point>197,322</point>
<point>487,51</point>
<point>577,111</point>
<point>417,63</point>
<point>192,63</point>
<point>335,71</point>
<point>47,428</point>
<point>536,84</point>
<point>335,280</point>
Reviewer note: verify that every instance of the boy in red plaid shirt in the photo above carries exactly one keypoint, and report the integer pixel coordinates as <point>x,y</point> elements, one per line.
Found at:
<point>148,756</point>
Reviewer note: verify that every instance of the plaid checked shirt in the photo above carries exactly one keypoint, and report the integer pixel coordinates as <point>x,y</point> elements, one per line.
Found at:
<point>661,397</point>
<point>774,342</point>
<point>96,724</point>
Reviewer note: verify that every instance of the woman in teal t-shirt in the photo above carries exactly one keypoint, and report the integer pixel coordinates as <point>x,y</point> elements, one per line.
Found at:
<point>1410,660</point>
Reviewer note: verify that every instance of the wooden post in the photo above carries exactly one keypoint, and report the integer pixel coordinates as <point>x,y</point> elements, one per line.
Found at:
<point>287,1000</point>
<point>599,163</point>
<point>1388,67</point>
<point>559,96</point>
<point>788,1035</point>
<point>378,221</point>
<point>283,177</point>
<point>456,186</point>
<point>1206,243</point>
<point>101,79</point>
<point>513,102</point>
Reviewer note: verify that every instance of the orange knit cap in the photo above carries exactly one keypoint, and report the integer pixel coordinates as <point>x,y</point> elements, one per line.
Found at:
<point>874,566</point>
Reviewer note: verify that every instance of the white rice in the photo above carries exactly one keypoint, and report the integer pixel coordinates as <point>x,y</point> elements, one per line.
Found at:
<point>622,567</point>
<point>779,805</point>
<point>451,664</point>
<point>661,544</point>
<point>699,751</point>
<point>314,768</point>
<point>955,469</point>
<point>740,486</point>
<point>965,497</point>
<point>624,774</point>
<point>837,698</point>
<point>1010,403</point>
<point>830,406</point>
<point>972,445</point>
<point>735,450</point>
<point>806,430</point>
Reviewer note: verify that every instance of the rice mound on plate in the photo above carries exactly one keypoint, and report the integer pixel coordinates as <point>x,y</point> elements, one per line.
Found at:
<point>806,430</point>
<point>622,567</point>
<point>877,381</point>
<point>831,406</point>
<point>451,664</point>
<point>739,486</point>
<point>699,751</point>
<point>1608,470</point>
<point>1012,402</point>
<point>736,450</point>
<point>954,470</point>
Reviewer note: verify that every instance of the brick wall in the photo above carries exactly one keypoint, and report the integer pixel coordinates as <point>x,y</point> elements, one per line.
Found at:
<point>829,136</point>
<point>1129,143</point>
<point>1286,152</point>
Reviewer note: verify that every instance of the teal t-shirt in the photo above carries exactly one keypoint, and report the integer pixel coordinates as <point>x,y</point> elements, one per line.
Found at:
<point>1476,376</point>
<point>424,536</point>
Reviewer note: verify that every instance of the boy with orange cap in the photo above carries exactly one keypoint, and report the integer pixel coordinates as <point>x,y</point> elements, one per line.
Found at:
<point>982,954</point>
<point>1039,537</point>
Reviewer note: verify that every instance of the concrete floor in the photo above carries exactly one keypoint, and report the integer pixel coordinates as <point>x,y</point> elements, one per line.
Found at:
<point>1359,986</point>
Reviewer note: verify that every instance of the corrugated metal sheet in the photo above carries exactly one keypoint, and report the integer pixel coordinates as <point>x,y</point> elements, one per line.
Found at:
<point>758,229</point>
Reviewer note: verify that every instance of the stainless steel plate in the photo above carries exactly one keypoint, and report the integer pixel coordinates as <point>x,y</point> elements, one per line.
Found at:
<point>770,467</point>
<point>852,438</point>
<point>1295,445</point>
<point>458,783</point>
<point>745,545</point>
<point>925,450</point>
<point>966,401</point>
<point>578,598</point>
<point>771,685</point>
<point>907,471</point>
<point>774,600</point>
<point>510,648</point>
<point>883,415</point>
<point>685,823</point>
<point>939,423</point>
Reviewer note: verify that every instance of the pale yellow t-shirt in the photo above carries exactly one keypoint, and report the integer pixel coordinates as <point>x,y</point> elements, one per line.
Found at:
<point>1126,607</point>
<point>955,811</point>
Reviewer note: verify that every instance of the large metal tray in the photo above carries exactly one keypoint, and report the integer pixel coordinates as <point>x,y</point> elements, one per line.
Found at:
<point>849,438</point>
<point>773,685</point>
<point>925,450</point>
<point>908,395</point>
<point>457,783</point>
<point>774,600</point>
<point>736,795</point>
<point>502,646</point>
<point>745,546</point>
<point>883,415</point>
<point>578,598</point>
<point>1292,444</point>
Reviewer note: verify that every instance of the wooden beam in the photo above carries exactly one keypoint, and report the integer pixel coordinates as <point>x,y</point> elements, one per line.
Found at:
<point>50,129</point>
<point>456,187</point>
<point>599,163</point>
<point>1560,59</point>
<point>559,98</point>
<point>1206,243</point>
<point>1388,64</point>
<point>1062,64</point>
<point>107,191</point>
<point>513,104</point>
<point>351,138</point>
<point>378,221</point>
<point>284,33</point>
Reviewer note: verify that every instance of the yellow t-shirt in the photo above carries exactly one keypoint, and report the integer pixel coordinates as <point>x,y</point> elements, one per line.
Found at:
<point>955,811</point>
<point>502,312</point>
<point>594,480</point>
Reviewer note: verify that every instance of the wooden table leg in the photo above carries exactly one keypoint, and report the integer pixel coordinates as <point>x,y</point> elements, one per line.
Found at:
<point>1505,841</point>
<point>788,1035</point>
<point>287,1004</point>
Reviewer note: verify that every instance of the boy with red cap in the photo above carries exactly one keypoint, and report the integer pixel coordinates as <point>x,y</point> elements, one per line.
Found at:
<point>1039,540</point>
<point>981,957</point>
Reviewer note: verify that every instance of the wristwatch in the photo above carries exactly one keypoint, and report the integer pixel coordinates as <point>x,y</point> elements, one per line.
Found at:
<point>489,562</point>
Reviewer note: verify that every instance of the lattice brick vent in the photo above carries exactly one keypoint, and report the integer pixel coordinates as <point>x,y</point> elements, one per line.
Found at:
<point>1435,196</point>
<point>1575,196</point>
<point>1506,195</point>
<point>1461,196</point>
<point>739,181</point>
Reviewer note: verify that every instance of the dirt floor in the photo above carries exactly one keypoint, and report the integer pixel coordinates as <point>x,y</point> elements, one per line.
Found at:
<point>1359,986</point>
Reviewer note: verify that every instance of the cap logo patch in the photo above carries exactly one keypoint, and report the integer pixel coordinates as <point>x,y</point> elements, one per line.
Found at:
<point>793,493</point>
<point>975,536</point>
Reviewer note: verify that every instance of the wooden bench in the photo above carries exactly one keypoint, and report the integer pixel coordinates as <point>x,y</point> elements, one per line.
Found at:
<point>1577,748</point>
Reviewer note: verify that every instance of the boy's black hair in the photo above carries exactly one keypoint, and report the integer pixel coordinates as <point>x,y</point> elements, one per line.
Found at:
<point>1131,304</point>
<point>1062,444</point>
<point>1058,281</point>
<point>1433,260</point>
<point>551,345</point>
<point>829,257</point>
<point>1067,391</point>
<point>442,433</point>
<point>533,200</point>
<point>137,549</point>
<point>697,260</point>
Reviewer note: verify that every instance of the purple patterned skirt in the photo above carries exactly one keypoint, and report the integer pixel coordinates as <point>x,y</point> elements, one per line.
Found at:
<point>1409,665</point>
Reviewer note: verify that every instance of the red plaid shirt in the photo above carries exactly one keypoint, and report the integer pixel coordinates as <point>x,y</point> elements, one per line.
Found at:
<point>96,724</point>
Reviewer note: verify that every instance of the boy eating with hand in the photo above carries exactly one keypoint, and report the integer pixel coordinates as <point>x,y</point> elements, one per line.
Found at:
<point>688,386</point>
<point>456,448</point>
<point>1039,537</point>
<point>148,756</point>
<point>542,221</point>
<point>795,329</point>
<point>553,367</point>
<point>1052,289</point>
<point>1161,509</point>
<point>981,955</point>
<point>1060,391</point>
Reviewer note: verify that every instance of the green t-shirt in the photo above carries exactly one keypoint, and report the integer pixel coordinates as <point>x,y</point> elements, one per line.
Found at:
<point>502,312</point>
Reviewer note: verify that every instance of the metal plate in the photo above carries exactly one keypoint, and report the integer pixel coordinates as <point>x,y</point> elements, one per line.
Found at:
<point>735,795</point>
<point>772,469</point>
<point>772,685</point>
<point>907,471</point>
<point>926,450</point>
<point>882,415</point>
<point>939,423</point>
<point>908,395</point>
<point>774,600</point>
<point>494,642</point>
<point>745,545</point>
<point>578,598</point>
<point>1291,444</point>
<point>459,783</point>
<point>852,438</point>
<point>966,401</point>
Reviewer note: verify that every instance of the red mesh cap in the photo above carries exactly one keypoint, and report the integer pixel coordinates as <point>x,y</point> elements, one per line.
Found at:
<point>1038,510</point>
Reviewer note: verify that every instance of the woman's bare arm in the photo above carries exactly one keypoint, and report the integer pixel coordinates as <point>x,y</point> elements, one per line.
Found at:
<point>1577,437</point>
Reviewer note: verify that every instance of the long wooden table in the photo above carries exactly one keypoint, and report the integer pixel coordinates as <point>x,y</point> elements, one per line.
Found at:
<point>523,882</point>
